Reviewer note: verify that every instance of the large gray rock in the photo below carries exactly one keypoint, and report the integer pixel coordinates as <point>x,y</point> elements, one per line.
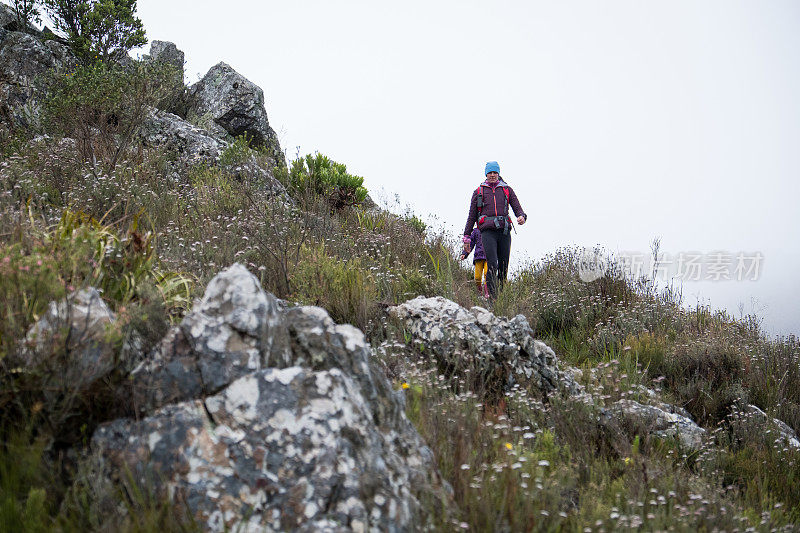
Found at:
<point>279,449</point>
<point>253,171</point>
<point>234,330</point>
<point>496,350</point>
<point>70,344</point>
<point>662,421</point>
<point>192,145</point>
<point>168,53</point>
<point>25,63</point>
<point>8,19</point>
<point>228,104</point>
<point>195,146</point>
<point>302,433</point>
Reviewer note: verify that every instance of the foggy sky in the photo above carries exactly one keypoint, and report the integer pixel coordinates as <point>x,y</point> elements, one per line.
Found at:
<point>615,121</point>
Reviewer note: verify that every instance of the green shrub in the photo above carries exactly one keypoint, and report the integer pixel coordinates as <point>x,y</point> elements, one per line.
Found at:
<point>320,176</point>
<point>103,106</point>
<point>97,29</point>
<point>238,152</point>
<point>416,223</point>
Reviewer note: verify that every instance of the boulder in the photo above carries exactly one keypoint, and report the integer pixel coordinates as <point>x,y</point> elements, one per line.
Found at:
<point>228,104</point>
<point>167,53</point>
<point>497,351</point>
<point>253,171</point>
<point>25,63</point>
<point>284,423</point>
<point>8,19</point>
<point>279,449</point>
<point>71,347</point>
<point>767,425</point>
<point>663,421</point>
<point>193,145</point>
<point>234,330</point>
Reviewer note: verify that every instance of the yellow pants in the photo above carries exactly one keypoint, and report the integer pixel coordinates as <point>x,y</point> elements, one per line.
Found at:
<point>480,271</point>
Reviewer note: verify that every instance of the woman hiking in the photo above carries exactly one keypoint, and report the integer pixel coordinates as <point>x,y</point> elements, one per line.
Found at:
<point>489,209</point>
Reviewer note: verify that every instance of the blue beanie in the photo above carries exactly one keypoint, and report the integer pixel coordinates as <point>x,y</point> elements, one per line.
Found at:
<point>492,166</point>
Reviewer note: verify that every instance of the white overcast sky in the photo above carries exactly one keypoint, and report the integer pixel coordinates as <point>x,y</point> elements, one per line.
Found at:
<point>614,121</point>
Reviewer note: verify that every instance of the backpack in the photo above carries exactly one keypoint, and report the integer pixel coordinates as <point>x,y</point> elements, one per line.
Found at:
<point>500,221</point>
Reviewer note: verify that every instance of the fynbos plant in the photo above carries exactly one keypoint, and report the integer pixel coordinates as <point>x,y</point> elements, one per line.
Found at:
<point>319,175</point>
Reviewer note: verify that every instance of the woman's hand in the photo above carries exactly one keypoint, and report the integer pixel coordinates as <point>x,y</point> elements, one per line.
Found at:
<point>521,220</point>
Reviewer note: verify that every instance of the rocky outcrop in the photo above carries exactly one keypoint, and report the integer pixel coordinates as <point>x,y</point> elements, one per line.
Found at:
<point>167,53</point>
<point>272,419</point>
<point>501,351</point>
<point>660,422</point>
<point>498,351</point>
<point>8,19</point>
<point>782,432</point>
<point>25,63</point>
<point>234,330</point>
<point>253,171</point>
<point>228,104</point>
<point>192,145</point>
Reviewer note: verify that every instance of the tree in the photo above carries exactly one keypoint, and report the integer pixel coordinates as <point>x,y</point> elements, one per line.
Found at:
<point>27,13</point>
<point>97,30</point>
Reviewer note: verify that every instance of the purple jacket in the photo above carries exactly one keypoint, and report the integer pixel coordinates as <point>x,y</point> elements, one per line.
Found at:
<point>495,200</point>
<point>476,243</point>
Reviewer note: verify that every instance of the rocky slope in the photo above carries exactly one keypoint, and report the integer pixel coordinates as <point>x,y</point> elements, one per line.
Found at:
<point>260,415</point>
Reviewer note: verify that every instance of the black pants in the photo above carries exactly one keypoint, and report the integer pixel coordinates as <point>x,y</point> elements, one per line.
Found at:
<point>497,246</point>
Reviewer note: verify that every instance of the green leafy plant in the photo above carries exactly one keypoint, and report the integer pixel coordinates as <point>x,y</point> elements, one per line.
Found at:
<point>238,152</point>
<point>321,176</point>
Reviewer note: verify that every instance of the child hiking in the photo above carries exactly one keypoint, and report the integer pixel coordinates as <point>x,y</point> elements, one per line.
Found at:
<point>478,259</point>
<point>488,209</point>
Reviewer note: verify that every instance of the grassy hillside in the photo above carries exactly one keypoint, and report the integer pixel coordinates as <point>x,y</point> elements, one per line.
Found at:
<point>151,238</point>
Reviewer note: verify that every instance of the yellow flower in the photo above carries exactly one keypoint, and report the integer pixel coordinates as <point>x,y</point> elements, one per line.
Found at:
<point>405,385</point>
<point>627,460</point>
<point>508,446</point>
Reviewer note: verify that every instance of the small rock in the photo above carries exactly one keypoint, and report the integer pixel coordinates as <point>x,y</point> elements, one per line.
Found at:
<point>660,422</point>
